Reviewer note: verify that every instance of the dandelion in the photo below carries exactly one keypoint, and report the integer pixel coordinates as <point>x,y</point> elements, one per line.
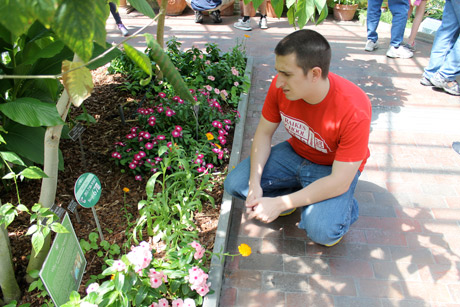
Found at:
<point>247,36</point>
<point>126,190</point>
<point>209,136</point>
<point>244,249</point>
<point>212,78</point>
<point>92,287</point>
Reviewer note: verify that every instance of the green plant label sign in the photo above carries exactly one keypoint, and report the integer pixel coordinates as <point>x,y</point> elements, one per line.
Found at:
<point>64,266</point>
<point>87,190</point>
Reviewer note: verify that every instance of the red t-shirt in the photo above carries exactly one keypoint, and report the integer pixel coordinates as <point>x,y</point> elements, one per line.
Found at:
<point>337,128</point>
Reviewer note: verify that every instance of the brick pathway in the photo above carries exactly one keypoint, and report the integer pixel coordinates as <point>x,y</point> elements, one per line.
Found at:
<point>405,248</point>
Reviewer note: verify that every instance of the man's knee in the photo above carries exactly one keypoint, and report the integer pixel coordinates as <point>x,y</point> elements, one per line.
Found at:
<point>233,184</point>
<point>324,234</point>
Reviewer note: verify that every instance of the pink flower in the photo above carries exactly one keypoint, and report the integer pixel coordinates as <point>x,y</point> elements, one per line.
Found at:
<point>163,303</point>
<point>178,303</point>
<point>158,159</point>
<point>211,78</point>
<point>224,92</point>
<point>200,56</point>
<point>160,109</point>
<point>92,287</point>
<point>147,135</point>
<point>208,88</point>
<point>116,155</point>
<point>227,121</point>
<point>200,156</point>
<point>203,290</point>
<point>161,137</point>
<point>210,166</point>
<point>142,154</point>
<point>181,101</point>
<point>148,146</point>
<point>220,155</point>
<point>236,83</point>
<point>178,128</point>
<point>134,129</point>
<point>170,113</point>
<point>195,244</point>
<point>175,98</point>
<point>152,118</point>
<point>208,62</point>
<point>138,178</point>
<point>235,71</point>
<point>222,132</point>
<point>188,302</point>
<point>151,123</point>
<point>201,169</point>
<point>198,161</point>
<point>156,279</point>
<point>162,95</point>
<point>137,156</point>
<point>199,253</point>
<point>120,144</point>
<point>154,305</point>
<point>132,165</point>
<point>175,133</point>
<point>217,91</point>
<point>119,265</point>
<point>140,256</point>
<point>227,127</point>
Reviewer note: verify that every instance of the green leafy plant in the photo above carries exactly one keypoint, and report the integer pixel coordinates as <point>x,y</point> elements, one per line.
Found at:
<point>37,284</point>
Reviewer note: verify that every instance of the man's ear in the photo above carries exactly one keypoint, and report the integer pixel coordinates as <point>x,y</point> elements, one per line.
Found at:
<point>316,73</point>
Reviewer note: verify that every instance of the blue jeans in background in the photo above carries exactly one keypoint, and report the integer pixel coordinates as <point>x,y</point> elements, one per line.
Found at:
<point>445,53</point>
<point>286,172</point>
<point>399,10</point>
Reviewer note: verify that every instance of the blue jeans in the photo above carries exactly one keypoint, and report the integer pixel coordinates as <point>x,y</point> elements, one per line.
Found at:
<point>286,172</point>
<point>445,53</point>
<point>399,10</point>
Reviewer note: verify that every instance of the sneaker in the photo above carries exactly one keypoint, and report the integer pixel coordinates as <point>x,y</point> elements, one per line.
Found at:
<point>371,46</point>
<point>456,147</point>
<point>123,29</point>
<point>409,46</point>
<point>400,52</point>
<point>450,87</point>
<point>332,244</point>
<point>425,81</point>
<point>215,16</point>
<point>243,25</point>
<point>263,23</point>
<point>198,17</point>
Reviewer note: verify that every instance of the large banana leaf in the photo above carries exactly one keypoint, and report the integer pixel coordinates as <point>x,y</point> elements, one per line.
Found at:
<point>32,112</point>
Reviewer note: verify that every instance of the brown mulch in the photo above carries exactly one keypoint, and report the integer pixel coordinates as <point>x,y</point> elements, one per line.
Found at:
<point>97,142</point>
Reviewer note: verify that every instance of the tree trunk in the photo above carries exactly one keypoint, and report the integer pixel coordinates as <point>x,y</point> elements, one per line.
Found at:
<point>8,283</point>
<point>161,24</point>
<point>49,185</point>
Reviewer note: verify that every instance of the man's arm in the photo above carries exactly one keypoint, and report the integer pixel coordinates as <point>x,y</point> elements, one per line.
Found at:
<point>267,209</point>
<point>260,151</point>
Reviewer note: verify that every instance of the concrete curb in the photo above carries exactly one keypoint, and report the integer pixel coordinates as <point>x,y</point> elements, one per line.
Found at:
<point>216,271</point>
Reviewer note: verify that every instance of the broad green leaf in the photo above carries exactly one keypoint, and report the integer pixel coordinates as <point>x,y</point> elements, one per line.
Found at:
<point>32,229</point>
<point>26,142</point>
<point>33,172</point>
<point>141,59</point>
<point>37,241</point>
<point>43,10</point>
<point>15,16</point>
<point>22,208</point>
<point>143,7</point>
<point>278,6</point>
<point>150,187</point>
<point>106,58</point>
<point>12,157</point>
<point>47,52</point>
<point>58,228</point>
<point>168,69</point>
<point>74,24</point>
<point>32,112</point>
<point>102,12</point>
<point>78,83</point>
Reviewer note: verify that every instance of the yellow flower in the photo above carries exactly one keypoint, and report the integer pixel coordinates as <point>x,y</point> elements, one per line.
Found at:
<point>209,136</point>
<point>218,146</point>
<point>247,36</point>
<point>125,189</point>
<point>244,249</point>
<point>112,277</point>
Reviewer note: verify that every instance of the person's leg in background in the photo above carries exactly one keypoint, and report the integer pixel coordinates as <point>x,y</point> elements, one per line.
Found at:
<point>444,63</point>
<point>374,10</point>
<point>419,12</point>
<point>245,22</point>
<point>399,9</point>
<point>116,16</point>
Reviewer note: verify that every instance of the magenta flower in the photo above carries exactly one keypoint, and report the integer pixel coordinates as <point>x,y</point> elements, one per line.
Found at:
<point>227,121</point>
<point>227,127</point>
<point>132,165</point>
<point>192,90</point>
<point>198,161</point>
<point>154,170</point>
<point>210,166</point>
<point>137,157</point>
<point>220,155</point>
<point>138,178</point>
<point>217,124</point>
<point>116,155</point>
<point>160,109</point>
<point>216,150</point>
<point>130,136</point>
<point>120,144</point>
<point>170,113</point>
<point>142,154</point>
<point>201,169</point>
<point>148,146</point>
<point>162,95</point>
<point>134,129</point>
<point>178,128</point>
<point>151,123</point>
<point>181,101</point>
<point>175,133</point>
<point>147,135</point>
<point>161,137</point>
<point>201,156</point>
<point>158,159</point>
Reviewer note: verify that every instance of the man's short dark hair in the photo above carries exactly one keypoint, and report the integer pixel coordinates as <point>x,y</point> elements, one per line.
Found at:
<point>311,50</point>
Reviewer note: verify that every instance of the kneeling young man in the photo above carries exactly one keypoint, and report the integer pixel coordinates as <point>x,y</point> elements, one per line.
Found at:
<point>317,168</point>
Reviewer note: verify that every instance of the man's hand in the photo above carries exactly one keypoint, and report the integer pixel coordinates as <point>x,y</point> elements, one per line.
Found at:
<point>264,209</point>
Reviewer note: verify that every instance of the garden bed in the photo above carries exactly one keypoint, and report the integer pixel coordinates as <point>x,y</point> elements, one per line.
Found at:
<point>115,208</point>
